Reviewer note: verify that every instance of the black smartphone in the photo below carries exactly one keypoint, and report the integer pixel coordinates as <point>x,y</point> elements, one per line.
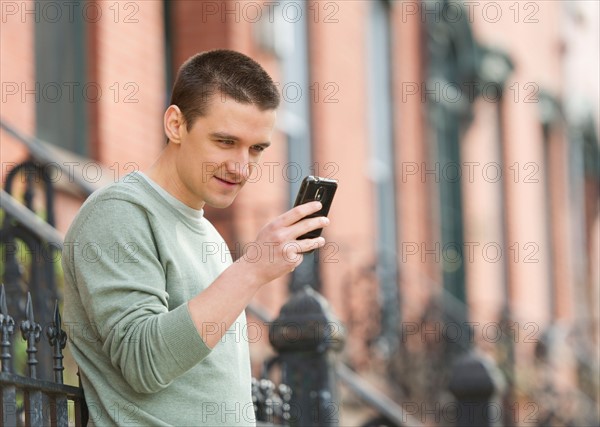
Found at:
<point>319,189</point>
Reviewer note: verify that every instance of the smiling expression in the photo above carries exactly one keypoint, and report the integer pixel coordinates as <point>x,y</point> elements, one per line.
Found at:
<point>215,157</point>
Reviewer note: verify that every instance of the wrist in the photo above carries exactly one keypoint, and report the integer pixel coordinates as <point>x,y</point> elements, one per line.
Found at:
<point>249,272</point>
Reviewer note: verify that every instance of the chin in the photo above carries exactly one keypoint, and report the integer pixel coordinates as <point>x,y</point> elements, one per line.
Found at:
<point>220,204</point>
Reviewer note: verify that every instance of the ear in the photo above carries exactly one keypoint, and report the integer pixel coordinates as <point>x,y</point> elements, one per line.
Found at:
<point>174,124</point>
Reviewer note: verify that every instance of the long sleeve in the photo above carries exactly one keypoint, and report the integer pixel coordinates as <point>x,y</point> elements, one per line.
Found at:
<point>121,282</point>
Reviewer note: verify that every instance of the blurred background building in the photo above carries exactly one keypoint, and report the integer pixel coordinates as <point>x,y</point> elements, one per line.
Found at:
<point>464,136</point>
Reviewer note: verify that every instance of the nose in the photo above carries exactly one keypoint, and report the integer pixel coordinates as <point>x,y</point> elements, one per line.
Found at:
<point>239,165</point>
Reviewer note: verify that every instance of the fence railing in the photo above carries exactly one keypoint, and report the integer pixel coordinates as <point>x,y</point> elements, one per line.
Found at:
<point>26,399</point>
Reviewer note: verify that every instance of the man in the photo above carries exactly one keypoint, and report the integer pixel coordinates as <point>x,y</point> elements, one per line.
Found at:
<point>151,314</point>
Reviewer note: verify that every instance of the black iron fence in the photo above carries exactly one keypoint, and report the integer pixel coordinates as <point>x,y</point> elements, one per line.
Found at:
<point>27,399</point>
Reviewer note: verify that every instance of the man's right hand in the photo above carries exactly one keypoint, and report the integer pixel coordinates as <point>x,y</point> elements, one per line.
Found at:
<point>278,250</point>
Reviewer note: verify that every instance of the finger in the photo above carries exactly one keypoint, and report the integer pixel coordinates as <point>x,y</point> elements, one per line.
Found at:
<point>292,253</point>
<point>306,245</point>
<point>296,214</point>
<point>308,224</point>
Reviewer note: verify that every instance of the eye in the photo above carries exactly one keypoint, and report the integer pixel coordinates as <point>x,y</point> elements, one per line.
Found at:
<point>258,148</point>
<point>226,141</point>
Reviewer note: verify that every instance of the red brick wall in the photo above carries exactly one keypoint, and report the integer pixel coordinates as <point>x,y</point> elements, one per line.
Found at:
<point>17,71</point>
<point>131,72</point>
<point>196,27</point>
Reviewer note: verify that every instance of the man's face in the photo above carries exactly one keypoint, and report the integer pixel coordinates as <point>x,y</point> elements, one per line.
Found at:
<point>217,155</point>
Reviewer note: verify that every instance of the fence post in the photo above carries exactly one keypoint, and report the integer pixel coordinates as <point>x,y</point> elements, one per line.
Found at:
<point>474,381</point>
<point>57,339</point>
<point>31,331</point>
<point>306,334</point>
<point>8,409</point>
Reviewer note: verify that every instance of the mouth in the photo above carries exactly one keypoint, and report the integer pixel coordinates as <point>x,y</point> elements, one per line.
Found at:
<point>228,183</point>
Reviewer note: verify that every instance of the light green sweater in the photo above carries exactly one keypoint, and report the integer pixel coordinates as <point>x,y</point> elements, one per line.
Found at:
<point>133,257</point>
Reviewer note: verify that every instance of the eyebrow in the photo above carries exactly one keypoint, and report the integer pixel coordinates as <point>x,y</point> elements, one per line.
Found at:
<point>229,137</point>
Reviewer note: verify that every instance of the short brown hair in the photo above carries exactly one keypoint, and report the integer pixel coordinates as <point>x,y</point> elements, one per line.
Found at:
<point>224,72</point>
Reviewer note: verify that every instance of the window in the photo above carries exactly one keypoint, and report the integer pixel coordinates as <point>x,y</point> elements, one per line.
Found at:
<point>62,90</point>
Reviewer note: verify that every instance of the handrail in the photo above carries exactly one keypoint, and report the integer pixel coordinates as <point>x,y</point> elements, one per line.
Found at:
<point>30,220</point>
<point>46,154</point>
<point>259,312</point>
<point>376,399</point>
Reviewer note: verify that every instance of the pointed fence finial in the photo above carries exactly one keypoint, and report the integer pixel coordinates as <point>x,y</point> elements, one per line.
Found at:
<point>3,309</point>
<point>58,340</point>
<point>7,328</point>
<point>29,309</point>
<point>31,333</point>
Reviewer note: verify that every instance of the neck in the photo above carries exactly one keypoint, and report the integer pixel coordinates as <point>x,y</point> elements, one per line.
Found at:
<point>164,173</point>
